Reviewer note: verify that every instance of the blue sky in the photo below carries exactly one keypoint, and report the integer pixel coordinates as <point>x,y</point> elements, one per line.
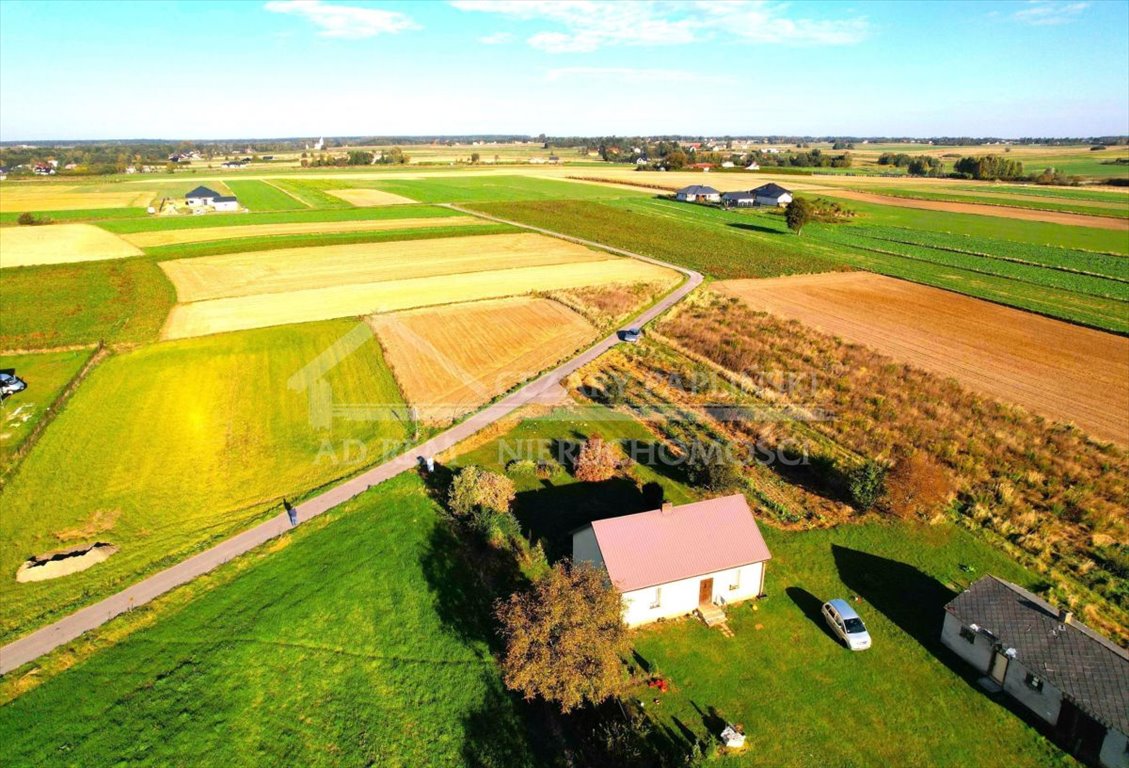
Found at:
<point>338,67</point>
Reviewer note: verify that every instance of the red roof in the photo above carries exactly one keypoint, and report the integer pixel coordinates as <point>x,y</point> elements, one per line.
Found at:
<point>661,546</point>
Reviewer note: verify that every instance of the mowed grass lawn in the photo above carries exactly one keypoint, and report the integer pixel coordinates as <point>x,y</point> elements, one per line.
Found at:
<point>804,699</point>
<point>47,374</point>
<point>172,446</point>
<point>354,640</point>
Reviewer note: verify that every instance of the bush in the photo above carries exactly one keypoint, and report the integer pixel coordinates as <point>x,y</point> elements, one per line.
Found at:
<point>867,484</point>
<point>475,490</point>
<point>31,220</point>
<point>522,468</point>
<point>598,461</point>
<point>917,486</point>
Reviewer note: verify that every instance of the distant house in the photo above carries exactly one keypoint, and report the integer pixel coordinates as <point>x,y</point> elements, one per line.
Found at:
<point>739,199</point>
<point>233,164</point>
<point>554,160</point>
<point>200,196</point>
<point>702,166</point>
<point>697,193</point>
<point>772,194</point>
<point>226,203</point>
<point>727,164</point>
<point>1068,675</point>
<point>676,560</point>
<point>753,166</point>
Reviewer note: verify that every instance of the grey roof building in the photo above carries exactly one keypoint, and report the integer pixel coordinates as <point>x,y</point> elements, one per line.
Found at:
<point>1066,673</point>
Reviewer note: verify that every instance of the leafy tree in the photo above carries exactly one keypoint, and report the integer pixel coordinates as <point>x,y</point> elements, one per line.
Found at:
<point>717,470</point>
<point>916,487</point>
<point>867,484</point>
<point>565,637</point>
<point>989,167</point>
<point>475,157</point>
<point>797,214</point>
<point>475,490</point>
<point>598,460</point>
<point>675,160</point>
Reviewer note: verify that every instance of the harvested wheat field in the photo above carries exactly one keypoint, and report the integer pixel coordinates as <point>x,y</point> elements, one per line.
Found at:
<point>1004,212</point>
<point>60,244</point>
<point>1062,371</point>
<point>449,360</point>
<point>236,313</point>
<point>15,199</point>
<point>181,236</point>
<point>364,198</point>
<point>292,269</point>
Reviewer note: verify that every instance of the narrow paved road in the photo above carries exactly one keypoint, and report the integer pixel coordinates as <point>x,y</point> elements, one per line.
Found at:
<point>545,388</point>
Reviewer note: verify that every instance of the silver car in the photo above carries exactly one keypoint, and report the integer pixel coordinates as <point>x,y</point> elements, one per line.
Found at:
<point>846,624</point>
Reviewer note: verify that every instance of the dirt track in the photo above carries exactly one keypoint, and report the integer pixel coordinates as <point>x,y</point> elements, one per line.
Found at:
<point>1001,211</point>
<point>1056,369</point>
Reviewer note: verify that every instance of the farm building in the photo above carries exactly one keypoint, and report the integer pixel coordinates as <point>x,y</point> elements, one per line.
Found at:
<point>1067,674</point>
<point>226,203</point>
<point>201,196</point>
<point>739,199</point>
<point>676,560</point>
<point>697,193</point>
<point>772,194</point>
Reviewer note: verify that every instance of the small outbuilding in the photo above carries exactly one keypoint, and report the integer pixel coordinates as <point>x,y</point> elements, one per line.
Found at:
<point>772,194</point>
<point>673,561</point>
<point>698,193</point>
<point>201,196</point>
<point>1067,674</point>
<point>226,203</point>
<point>739,199</point>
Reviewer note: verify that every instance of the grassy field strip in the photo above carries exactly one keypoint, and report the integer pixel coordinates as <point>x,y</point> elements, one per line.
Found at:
<point>50,376</point>
<point>292,269</point>
<point>170,447</point>
<point>1039,203</point>
<point>261,196</point>
<point>310,194</point>
<point>291,195</point>
<point>348,300</point>
<point>60,244</point>
<point>180,236</point>
<point>449,360</point>
<point>18,198</point>
<point>170,223</point>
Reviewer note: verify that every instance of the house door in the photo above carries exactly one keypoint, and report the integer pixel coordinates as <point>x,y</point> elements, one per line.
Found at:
<point>998,668</point>
<point>705,592</point>
<point>1079,732</point>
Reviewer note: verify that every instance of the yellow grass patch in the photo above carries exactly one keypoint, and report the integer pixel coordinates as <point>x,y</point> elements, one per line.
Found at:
<point>60,244</point>
<point>20,199</point>
<point>258,311</point>
<point>181,236</point>
<point>367,197</point>
<point>292,269</point>
<point>449,360</point>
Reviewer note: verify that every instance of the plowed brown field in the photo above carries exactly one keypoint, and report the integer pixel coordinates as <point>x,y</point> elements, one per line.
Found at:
<point>449,360</point>
<point>1062,371</point>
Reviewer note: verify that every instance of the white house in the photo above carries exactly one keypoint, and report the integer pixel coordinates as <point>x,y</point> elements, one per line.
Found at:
<point>772,194</point>
<point>672,561</point>
<point>200,196</point>
<point>1061,670</point>
<point>226,203</point>
<point>753,166</point>
<point>697,193</point>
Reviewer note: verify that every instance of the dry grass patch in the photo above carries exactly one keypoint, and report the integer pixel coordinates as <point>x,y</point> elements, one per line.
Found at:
<point>364,198</point>
<point>298,306</point>
<point>449,360</point>
<point>18,199</point>
<point>60,244</point>
<point>181,236</point>
<point>1062,371</point>
<point>298,269</point>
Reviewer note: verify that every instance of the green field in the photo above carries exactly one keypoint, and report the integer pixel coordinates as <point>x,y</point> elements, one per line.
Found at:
<point>175,445</point>
<point>490,189</point>
<point>355,641</point>
<point>262,196</point>
<point>47,374</point>
<point>124,300</point>
<point>1033,202</point>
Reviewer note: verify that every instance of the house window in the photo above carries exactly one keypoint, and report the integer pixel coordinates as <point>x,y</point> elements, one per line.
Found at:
<point>1034,682</point>
<point>658,598</point>
<point>968,634</point>
<point>736,580</point>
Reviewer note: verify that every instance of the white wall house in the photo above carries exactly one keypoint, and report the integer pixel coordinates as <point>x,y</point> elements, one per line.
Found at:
<point>669,561</point>
<point>200,196</point>
<point>1071,677</point>
<point>698,193</point>
<point>772,194</point>
<point>226,203</point>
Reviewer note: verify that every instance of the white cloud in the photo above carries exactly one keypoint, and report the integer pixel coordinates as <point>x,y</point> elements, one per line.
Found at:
<point>1043,13</point>
<point>623,75</point>
<point>344,21</point>
<point>583,26</point>
<point>498,38</point>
